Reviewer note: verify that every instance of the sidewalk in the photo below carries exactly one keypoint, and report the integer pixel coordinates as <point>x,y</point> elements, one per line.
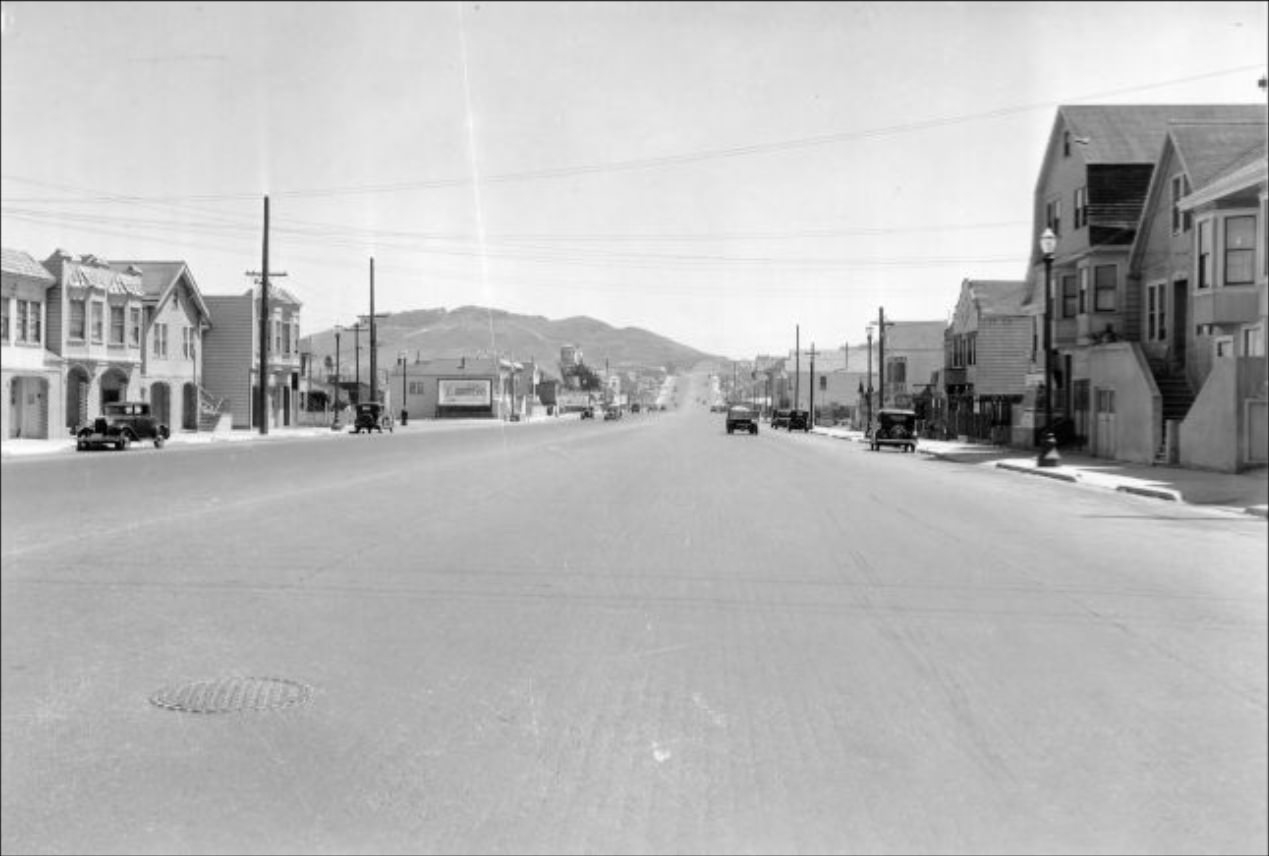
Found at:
<point>13,448</point>
<point>1247,491</point>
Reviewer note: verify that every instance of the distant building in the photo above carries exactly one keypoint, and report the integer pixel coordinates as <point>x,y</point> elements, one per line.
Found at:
<point>231,356</point>
<point>31,403</point>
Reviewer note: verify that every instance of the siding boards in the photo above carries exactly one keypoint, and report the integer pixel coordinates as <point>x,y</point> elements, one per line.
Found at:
<point>227,354</point>
<point>1002,349</point>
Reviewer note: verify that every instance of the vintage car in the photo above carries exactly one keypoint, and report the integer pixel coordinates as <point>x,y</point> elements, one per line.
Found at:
<point>799,420</point>
<point>612,413</point>
<point>780,418</point>
<point>121,424</point>
<point>371,416</point>
<point>895,428</point>
<point>741,418</point>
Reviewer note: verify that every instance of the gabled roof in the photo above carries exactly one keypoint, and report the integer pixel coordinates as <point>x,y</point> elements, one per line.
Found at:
<point>18,263</point>
<point>1133,133</point>
<point>1204,152</point>
<point>159,280</point>
<point>998,297</point>
<point>1210,150</point>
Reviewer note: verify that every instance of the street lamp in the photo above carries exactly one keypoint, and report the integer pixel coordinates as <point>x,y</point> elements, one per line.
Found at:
<point>1048,445</point>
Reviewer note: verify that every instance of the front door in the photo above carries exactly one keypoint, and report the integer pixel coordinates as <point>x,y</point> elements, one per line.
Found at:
<point>1180,320</point>
<point>1104,432</point>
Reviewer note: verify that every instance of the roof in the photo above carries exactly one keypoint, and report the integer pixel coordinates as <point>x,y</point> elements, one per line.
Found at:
<point>276,292</point>
<point>1133,133</point>
<point>89,271</point>
<point>998,297</point>
<point>18,263</point>
<point>1210,150</point>
<point>159,278</point>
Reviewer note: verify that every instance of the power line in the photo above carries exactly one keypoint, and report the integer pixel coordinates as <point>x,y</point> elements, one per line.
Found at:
<point>681,158</point>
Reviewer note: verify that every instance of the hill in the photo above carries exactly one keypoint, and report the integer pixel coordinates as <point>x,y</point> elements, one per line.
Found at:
<point>475,330</point>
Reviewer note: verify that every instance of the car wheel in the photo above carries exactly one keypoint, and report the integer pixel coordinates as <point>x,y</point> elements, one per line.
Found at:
<point>753,430</point>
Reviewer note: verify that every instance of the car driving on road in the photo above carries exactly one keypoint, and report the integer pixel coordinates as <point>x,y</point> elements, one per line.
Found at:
<point>741,418</point>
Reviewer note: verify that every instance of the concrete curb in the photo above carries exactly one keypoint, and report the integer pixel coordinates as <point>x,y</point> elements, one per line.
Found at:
<point>1066,477</point>
<point>1155,492</point>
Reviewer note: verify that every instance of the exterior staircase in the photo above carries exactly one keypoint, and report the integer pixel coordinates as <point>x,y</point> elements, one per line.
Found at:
<point>210,409</point>
<point>1177,396</point>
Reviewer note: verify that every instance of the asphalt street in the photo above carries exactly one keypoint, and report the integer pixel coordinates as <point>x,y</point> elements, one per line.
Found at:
<point>642,636</point>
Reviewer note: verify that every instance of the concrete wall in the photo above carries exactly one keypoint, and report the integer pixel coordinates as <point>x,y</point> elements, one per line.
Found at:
<point>1122,367</point>
<point>1209,433</point>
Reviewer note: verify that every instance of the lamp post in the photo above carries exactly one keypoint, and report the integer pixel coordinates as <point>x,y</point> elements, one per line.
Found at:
<point>404,358</point>
<point>1048,444</point>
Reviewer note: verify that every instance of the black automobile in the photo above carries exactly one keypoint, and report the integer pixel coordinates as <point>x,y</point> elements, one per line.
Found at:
<point>895,427</point>
<point>371,416</point>
<point>741,418</point>
<point>780,418</point>
<point>799,420</point>
<point>121,424</point>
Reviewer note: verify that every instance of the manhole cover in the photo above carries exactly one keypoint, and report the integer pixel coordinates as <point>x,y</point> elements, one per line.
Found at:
<point>230,695</point>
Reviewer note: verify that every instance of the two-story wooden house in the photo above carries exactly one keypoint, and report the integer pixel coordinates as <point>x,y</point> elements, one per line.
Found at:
<point>1091,191</point>
<point>95,323</point>
<point>231,356</point>
<point>1191,316</point>
<point>1227,428</point>
<point>987,352</point>
<point>31,406</point>
<point>175,319</point>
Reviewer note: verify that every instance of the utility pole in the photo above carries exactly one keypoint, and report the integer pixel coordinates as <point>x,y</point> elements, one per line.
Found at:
<point>262,400</point>
<point>334,425</point>
<point>812,385</point>
<point>374,363</point>
<point>797,367</point>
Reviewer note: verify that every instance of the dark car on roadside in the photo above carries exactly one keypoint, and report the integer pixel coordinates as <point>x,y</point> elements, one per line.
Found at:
<point>741,418</point>
<point>121,424</point>
<point>371,416</point>
<point>895,427</point>
<point>799,420</point>
<point>780,418</point>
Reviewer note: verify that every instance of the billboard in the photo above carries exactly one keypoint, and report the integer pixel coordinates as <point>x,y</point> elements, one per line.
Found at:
<point>464,393</point>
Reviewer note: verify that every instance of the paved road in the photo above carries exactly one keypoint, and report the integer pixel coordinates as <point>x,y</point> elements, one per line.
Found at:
<point>641,636</point>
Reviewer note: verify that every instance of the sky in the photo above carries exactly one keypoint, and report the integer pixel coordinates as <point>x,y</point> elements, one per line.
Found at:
<point>728,175</point>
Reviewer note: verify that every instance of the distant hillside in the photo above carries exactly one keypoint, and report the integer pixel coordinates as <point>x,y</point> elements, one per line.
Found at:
<point>472,330</point>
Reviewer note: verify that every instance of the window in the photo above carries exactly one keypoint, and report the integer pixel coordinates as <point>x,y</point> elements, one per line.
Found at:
<point>4,319</point>
<point>1240,250</point>
<point>134,327</point>
<point>1083,291</point>
<point>116,325</point>
<point>160,340</point>
<point>1070,297</point>
<point>823,382</point>
<point>1254,341</point>
<point>187,343</point>
<point>22,320</point>
<point>1053,216</point>
<point>1182,221</point>
<point>78,323</point>
<point>1104,284</point>
<point>1224,347</point>
<point>971,348</point>
<point>1205,254</point>
<point>1081,207</point>
<point>277,336</point>
<point>1105,400</point>
<point>29,314</point>
<point>98,321</point>
<point>1066,144</point>
<point>1156,312</point>
<point>286,338</point>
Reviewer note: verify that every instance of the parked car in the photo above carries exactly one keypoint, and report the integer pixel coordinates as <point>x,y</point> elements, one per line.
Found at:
<point>780,418</point>
<point>121,424</point>
<point>612,413</point>
<point>371,416</point>
<point>895,428</point>
<point>588,413</point>
<point>741,418</point>
<point>799,420</point>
